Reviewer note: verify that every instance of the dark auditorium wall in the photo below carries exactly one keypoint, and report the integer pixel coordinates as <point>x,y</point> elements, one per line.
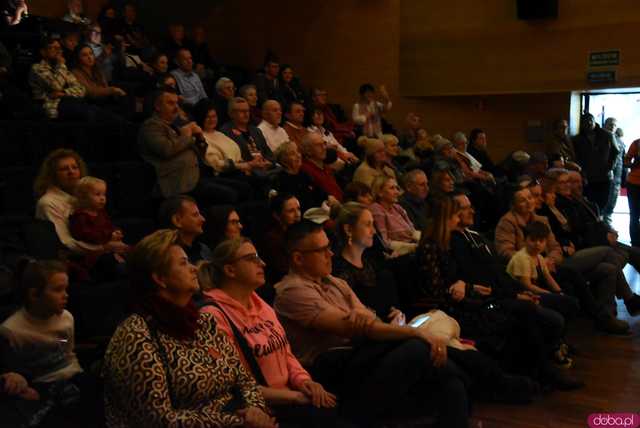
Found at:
<point>340,44</point>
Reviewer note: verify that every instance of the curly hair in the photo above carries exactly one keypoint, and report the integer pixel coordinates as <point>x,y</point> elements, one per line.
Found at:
<point>47,174</point>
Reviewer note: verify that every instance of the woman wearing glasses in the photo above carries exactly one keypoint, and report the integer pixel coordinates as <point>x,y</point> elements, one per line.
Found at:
<point>229,283</point>
<point>168,364</point>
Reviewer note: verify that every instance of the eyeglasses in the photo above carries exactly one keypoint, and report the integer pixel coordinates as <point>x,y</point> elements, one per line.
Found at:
<point>326,249</point>
<point>252,257</point>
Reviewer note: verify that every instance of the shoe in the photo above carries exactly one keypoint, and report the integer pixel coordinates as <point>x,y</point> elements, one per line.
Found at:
<point>561,360</point>
<point>515,389</point>
<point>560,379</point>
<point>633,305</point>
<point>611,325</point>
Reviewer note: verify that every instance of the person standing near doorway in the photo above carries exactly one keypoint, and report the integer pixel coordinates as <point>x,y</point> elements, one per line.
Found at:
<point>611,125</point>
<point>596,152</point>
<point>632,161</point>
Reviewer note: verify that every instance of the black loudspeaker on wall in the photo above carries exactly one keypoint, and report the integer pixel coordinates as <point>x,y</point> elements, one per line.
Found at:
<point>537,9</point>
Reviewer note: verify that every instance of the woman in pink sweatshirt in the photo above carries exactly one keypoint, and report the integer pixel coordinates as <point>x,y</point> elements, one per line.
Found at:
<point>229,282</point>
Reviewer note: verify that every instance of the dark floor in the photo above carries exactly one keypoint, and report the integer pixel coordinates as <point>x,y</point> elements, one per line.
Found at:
<point>609,365</point>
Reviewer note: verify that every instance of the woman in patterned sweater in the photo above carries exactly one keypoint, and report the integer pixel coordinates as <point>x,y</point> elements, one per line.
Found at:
<point>167,365</point>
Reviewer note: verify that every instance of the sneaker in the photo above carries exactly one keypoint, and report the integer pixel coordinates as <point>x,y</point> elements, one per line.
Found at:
<point>611,325</point>
<point>633,305</point>
<point>560,379</point>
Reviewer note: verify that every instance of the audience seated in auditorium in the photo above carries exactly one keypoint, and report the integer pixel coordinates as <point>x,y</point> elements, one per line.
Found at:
<point>225,92</point>
<point>69,42</point>
<point>189,82</point>
<point>602,264</point>
<point>442,184</point>
<point>537,333</point>
<point>537,165</point>
<point>204,65</point>
<point>528,266</point>
<point>273,133</point>
<point>110,23</point>
<point>55,186</point>
<point>160,63</point>
<point>223,222</point>
<point>75,13</point>
<point>285,211</point>
<point>247,136</point>
<point>478,149</point>
<point>376,288</point>
<point>290,88</point>
<point>314,153</point>
<point>174,41</point>
<point>414,199</point>
<point>588,233</point>
<point>97,88</point>
<point>317,125</point>
<point>294,124</point>
<point>133,32</point>
<point>174,155</point>
<point>596,152</point>
<point>335,119</point>
<point>248,92</point>
<point>409,134</point>
<point>321,312</point>
<point>41,348</point>
<point>375,163</point>
<point>267,81</point>
<point>223,154</point>
<point>106,59</point>
<point>91,223</point>
<point>445,158</point>
<point>182,214</point>
<point>358,192</point>
<point>53,84</point>
<point>229,283</point>
<point>367,112</point>
<point>291,180</point>
<point>391,220</point>
<point>392,148</point>
<point>166,334</point>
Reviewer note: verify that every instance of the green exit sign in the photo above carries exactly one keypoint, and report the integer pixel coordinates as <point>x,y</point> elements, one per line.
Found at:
<point>604,58</point>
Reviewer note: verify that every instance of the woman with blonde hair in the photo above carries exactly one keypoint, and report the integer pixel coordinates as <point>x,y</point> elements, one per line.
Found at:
<point>168,364</point>
<point>391,220</point>
<point>375,163</point>
<point>229,283</point>
<point>55,186</point>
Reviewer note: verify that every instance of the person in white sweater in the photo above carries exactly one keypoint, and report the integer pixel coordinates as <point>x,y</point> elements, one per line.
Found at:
<point>55,185</point>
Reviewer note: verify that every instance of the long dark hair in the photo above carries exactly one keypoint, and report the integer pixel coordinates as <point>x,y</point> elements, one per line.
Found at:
<point>216,224</point>
<point>437,230</point>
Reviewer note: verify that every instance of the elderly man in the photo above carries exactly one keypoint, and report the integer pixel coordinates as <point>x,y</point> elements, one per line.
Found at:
<point>314,154</point>
<point>189,82</point>
<point>414,198</point>
<point>225,91</point>
<point>247,136</point>
<point>182,214</point>
<point>321,313</point>
<point>174,154</point>
<point>270,125</point>
<point>294,125</point>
